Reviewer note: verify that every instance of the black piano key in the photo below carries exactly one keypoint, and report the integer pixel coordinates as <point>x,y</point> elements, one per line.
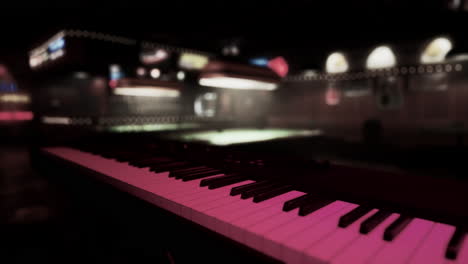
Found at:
<point>239,189</point>
<point>139,158</point>
<point>296,202</point>
<point>395,228</point>
<point>149,162</point>
<point>171,166</point>
<point>201,175</point>
<point>125,157</point>
<point>313,205</point>
<point>260,189</point>
<point>272,193</point>
<point>353,216</point>
<point>183,174</point>
<point>173,173</point>
<point>372,222</point>
<point>227,181</point>
<point>207,182</point>
<point>455,243</point>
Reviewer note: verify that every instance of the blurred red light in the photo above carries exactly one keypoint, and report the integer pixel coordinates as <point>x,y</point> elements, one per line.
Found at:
<point>279,65</point>
<point>16,116</point>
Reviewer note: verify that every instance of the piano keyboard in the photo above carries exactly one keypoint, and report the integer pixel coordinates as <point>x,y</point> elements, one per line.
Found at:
<point>275,219</point>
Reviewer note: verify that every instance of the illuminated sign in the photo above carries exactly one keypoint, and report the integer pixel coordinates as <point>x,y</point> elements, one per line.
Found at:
<point>16,116</point>
<point>8,87</point>
<point>262,62</point>
<point>15,98</point>
<point>49,51</point>
<point>191,61</point>
<point>154,56</point>
<point>57,44</point>
<point>115,72</point>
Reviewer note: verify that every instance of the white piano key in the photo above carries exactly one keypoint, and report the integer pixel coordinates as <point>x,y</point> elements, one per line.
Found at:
<point>293,247</point>
<point>434,246</point>
<point>400,249</point>
<point>270,207</point>
<point>325,249</point>
<point>364,247</point>
<point>273,240</point>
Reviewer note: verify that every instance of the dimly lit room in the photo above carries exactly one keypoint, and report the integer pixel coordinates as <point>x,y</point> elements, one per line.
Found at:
<point>234,131</point>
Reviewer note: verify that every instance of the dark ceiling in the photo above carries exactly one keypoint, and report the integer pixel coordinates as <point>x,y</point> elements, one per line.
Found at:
<point>303,31</point>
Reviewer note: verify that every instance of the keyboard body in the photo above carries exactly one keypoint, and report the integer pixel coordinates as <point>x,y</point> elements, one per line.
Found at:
<point>266,229</point>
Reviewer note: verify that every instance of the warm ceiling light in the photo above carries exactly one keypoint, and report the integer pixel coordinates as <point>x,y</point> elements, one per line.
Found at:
<point>238,76</point>
<point>336,63</point>
<point>191,61</point>
<point>381,57</point>
<point>180,75</point>
<point>237,83</point>
<point>436,50</point>
<point>147,87</point>
<point>155,73</point>
<point>140,71</point>
<point>149,91</point>
<point>56,120</point>
<point>15,98</point>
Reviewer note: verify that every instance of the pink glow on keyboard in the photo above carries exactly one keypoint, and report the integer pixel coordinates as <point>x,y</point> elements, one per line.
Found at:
<point>326,248</point>
<point>269,207</point>
<point>401,248</point>
<point>434,246</point>
<point>273,239</point>
<point>365,246</point>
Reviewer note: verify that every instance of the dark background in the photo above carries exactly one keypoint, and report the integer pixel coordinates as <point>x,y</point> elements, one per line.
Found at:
<point>303,31</point>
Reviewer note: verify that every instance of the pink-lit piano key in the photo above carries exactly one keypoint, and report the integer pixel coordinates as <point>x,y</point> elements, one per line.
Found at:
<point>178,191</point>
<point>218,217</point>
<point>216,194</point>
<point>253,233</point>
<point>244,211</point>
<point>257,231</point>
<point>401,248</point>
<point>273,239</point>
<point>363,248</point>
<point>434,246</point>
<point>270,207</point>
<point>293,246</point>
<point>164,193</point>
<point>332,244</point>
<point>199,216</point>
